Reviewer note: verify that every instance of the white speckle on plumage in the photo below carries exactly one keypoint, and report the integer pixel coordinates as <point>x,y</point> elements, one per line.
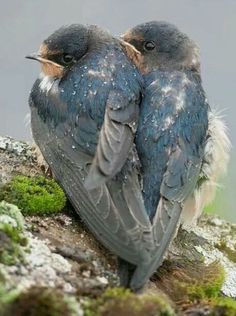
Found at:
<point>168,121</point>
<point>185,81</point>
<point>95,73</point>
<point>180,101</point>
<point>166,89</point>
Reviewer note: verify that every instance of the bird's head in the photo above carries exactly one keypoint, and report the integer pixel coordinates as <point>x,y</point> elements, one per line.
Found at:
<point>163,46</point>
<point>61,50</point>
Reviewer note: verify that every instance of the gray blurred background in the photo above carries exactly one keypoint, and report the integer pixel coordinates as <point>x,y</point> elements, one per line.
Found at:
<point>211,23</point>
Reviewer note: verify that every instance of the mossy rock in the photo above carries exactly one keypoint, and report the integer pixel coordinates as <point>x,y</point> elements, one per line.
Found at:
<point>34,195</point>
<point>230,253</point>
<point>117,301</point>
<point>38,301</point>
<point>185,281</point>
<point>223,307</point>
<point>12,239</point>
<point>11,211</point>
<point>6,297</point>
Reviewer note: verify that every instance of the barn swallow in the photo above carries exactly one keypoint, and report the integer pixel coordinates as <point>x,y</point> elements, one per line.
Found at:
<point>181,143</point>
<point>84,112</point>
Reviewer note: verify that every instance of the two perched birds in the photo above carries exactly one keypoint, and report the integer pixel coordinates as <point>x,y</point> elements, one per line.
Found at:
<point>127,131</point>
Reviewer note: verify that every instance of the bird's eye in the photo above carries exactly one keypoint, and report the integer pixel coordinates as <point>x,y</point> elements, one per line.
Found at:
<point>67,59</point>
<point>150,45</point>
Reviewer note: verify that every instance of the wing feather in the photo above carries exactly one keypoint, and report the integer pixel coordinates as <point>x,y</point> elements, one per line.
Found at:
<point>115,139</point>
<point>115,224</point>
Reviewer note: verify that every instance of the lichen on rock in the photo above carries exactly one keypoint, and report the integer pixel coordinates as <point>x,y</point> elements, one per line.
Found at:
<point>10,214</point>
<point>12,238</point>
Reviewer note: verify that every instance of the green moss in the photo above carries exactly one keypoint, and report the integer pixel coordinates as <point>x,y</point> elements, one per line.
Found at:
<point>222,307</point>
<point>42,302</point>
<point>230,253</point>
<point>34,195</point>
<point>209,285</point>
<point>117,301</point>
<point>6,296</point>
<point>12,237</point>
<point>13,211</point>
<point>188,281</point>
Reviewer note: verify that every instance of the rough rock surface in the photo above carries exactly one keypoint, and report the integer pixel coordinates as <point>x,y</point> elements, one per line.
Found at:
<point>63,254</point>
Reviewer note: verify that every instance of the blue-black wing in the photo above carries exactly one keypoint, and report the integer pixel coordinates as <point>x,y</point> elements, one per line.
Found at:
<point>67,137</point>
<point>180,133</point>
<point>116,138</point>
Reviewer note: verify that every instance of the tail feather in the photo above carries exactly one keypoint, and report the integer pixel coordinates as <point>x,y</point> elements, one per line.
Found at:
<point>164,228</point>
<point>125,272</point>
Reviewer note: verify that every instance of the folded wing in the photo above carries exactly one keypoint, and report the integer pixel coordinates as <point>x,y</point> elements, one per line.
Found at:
<point>114,211</point>
<point>115,139</point>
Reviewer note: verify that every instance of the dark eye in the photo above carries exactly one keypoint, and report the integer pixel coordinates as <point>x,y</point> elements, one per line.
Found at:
<point>67,59</point>
<point>150,45</point>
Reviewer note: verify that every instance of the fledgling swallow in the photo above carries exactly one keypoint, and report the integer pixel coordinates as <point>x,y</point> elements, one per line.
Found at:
<point>182,145</point>
<point>84,110</point>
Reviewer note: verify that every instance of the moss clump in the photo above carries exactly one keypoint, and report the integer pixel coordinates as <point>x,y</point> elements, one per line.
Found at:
<point>117,301</point>
<point>12,237</point>
<point>34,195</point>
<point>223,307</point>
<point>210,284</point>
<point>42,302</point>
<point>187,281</point>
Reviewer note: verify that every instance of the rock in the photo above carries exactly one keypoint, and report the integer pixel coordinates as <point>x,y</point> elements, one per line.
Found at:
<point>63,260</point>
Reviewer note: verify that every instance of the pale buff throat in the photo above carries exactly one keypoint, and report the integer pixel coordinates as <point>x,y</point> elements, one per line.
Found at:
<point>49,68</point>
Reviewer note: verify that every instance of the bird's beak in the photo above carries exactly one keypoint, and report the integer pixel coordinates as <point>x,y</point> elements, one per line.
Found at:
<point>32,56</point>
<point>49,67</point>
<point>36,56</point>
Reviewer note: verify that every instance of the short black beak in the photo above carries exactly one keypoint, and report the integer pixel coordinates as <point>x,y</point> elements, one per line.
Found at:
<point>33,56</point>
<point>42,60</point>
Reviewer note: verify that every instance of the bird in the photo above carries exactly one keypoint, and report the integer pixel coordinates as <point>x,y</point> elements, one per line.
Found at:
<point>84,111</point>
<point>182,144</point>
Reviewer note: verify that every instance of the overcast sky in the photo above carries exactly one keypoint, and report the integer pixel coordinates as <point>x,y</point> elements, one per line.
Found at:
<point>25,23</point>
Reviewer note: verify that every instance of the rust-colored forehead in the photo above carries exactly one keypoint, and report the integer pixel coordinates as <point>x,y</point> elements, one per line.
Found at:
<point>130,35</point>
<point>44,50</point>
<point>49,68</point>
